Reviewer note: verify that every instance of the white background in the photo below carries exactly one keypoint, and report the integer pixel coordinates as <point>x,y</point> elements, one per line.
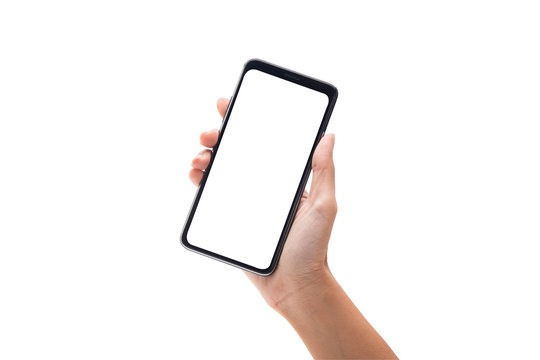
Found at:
<point>437,157</point>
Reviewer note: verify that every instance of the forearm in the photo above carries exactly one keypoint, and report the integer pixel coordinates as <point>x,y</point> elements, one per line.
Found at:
<point>330,324</point>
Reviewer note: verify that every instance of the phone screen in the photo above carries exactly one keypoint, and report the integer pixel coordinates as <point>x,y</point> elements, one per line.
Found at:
<point>257,168</point>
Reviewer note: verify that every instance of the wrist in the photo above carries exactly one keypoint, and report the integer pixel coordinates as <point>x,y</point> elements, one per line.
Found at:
<point>329,323</point>
<point>307,294</point>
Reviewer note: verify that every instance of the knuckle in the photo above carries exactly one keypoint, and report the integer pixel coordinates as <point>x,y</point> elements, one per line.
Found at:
<point>326,206</point>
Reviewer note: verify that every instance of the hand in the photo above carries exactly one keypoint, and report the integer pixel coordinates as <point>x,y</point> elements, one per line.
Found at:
<point>302,289</point>
<point>303,262</point>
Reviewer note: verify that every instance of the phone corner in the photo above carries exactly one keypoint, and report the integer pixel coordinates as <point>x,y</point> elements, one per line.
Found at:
<point>251,63</point>
<point>184,240</point>
<point>268,271</point>
<point>332,92</point>
<point>335,91</point>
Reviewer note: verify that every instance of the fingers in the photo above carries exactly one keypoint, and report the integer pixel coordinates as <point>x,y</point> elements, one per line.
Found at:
<point>209,138</point>
<point>195,175</point>
<point>322,192</point>
<point>222,104</point>
<point>201,161</point>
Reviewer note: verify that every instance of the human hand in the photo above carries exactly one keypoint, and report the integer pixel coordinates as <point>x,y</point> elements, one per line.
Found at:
<point>302,289</point>
<point>303,265</point>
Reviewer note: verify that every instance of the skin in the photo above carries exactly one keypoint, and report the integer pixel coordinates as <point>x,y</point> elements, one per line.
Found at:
<point>302,288</point>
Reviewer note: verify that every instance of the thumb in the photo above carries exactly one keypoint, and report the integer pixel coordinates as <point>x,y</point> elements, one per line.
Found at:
<point>323,183</point>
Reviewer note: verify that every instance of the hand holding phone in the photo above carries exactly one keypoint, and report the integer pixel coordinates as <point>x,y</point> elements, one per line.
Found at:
<point>246,223</point>
<point>303,261</point>
<point>302,288</point>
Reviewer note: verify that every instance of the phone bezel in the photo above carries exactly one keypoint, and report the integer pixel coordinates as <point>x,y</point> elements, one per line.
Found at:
<point>288,75</point>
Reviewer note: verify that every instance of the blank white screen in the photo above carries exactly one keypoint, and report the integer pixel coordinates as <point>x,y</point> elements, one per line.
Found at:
<point>257,169</point>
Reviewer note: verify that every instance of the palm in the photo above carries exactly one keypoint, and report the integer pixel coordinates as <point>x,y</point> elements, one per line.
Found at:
<point>304,254</point>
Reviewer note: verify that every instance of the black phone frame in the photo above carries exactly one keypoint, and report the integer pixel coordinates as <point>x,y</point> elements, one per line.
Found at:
<point>297,78</point>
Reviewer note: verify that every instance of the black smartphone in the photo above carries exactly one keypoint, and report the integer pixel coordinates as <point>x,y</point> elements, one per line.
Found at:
<point>250,191</point>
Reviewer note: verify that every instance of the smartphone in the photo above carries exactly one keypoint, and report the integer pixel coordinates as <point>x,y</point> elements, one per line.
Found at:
<point>250,191</point>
